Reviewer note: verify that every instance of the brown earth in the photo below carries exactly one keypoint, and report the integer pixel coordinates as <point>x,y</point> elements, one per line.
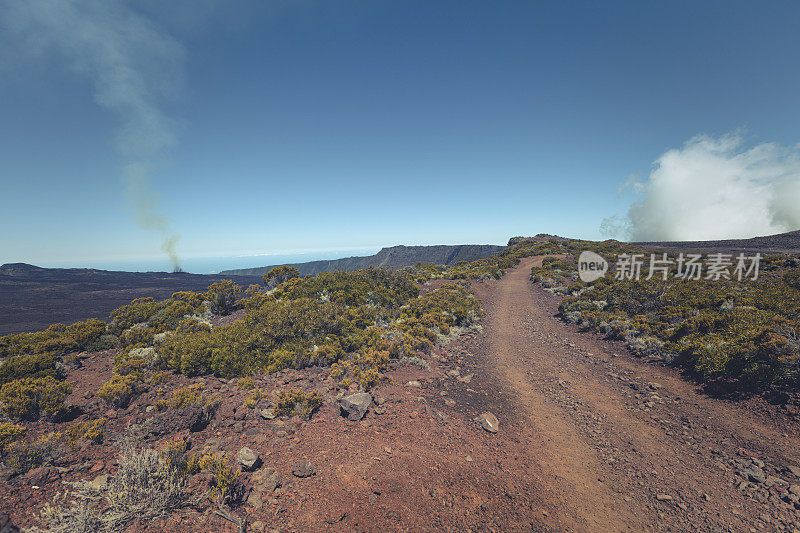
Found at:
<point>590,439</point>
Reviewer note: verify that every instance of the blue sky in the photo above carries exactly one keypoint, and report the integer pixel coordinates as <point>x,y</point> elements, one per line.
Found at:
<point>352,125</point>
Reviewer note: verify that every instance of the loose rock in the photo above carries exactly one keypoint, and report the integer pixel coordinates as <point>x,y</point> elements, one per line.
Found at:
<point>488,422</point>
<point>355,406</point>
<point>304,469</point>
<point>248,459</point>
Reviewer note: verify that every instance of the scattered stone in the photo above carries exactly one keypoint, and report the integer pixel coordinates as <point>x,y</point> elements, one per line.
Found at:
<point>266,480</point>
<point>488,422</point>
<point>42,475</point>
<point>304,469</point>
<point>355,406</point>
<point>267,414</point>
<point>414,383</point>
<point>466,379</point>
<point>254,500</point>
<point>6,473</point>
<point>795,489</point>
<point>794,470</point>
<point>248,459</point>
<point>191,417</point>
<point>756,475</point>
<point>449,402</point>
<point>6,525</point>
<point>663,497</point>
<point>100,482</point>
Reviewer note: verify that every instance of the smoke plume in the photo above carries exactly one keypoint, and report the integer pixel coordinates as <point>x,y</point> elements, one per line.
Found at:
<point>714,188</point>
<point>133,66</point>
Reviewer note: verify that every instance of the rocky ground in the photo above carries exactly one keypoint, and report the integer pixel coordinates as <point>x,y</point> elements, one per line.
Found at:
<point>588,439</point>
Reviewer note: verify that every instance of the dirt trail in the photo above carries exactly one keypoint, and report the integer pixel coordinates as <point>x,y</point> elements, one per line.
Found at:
<point>621,445</point>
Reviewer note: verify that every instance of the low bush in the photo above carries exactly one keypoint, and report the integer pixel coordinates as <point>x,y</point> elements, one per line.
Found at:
<point>188,396</point>
<point>9,433</point>
<point>119,390</point>
<point>298,402</point>
<point>223,296</point>
<point>28,398</point>
<point>225,475</point>
<point>144,487</point>
<point>58,339</point>
<point>279,275</point>
<point>28,366</point>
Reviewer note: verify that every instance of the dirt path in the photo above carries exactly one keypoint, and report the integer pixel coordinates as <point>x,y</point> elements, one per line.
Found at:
<point>621,445</point>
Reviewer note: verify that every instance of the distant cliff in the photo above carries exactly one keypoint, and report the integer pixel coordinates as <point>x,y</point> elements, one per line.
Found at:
<point>394,257</point>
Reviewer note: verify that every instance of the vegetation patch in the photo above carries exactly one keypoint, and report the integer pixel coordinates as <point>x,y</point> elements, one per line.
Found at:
<point>298,402</point>
<point>28,398</point>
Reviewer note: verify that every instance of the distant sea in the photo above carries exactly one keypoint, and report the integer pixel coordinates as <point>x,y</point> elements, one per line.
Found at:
<point>212,265</point>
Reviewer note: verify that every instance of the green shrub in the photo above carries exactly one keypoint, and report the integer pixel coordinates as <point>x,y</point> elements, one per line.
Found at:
<point>28,366</point>
<point>374,286</point>
<point>223,296</point>
<point>28,398</point>
<point>9,433</point>
<point>280,274</point>
<point>298,402</point>
<point>119,390</point>
<point>58,339</point>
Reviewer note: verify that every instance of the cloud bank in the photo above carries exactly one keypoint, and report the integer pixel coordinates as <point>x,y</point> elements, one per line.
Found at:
<point>714,188</point>
<point>133,66</point>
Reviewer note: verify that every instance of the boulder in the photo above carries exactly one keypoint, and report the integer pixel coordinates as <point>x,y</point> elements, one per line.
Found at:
<point>488,422</point>
<point>191,417</point>
<point>248,459</point>
<point>304,469</point>
<point>42,475</point>
<point>355,406</point>
<point>6,525</point>
<point>266,480</point>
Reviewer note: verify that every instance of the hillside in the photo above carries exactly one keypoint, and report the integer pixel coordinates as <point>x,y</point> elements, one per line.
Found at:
<point>393,257</point>
<point>781,243</point>
<point>460,398</point>
<point>32,297</point>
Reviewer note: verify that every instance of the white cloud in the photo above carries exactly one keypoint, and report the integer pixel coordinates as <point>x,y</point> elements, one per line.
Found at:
<point>715,188</point>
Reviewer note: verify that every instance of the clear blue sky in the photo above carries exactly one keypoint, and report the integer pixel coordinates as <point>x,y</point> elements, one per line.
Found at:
<point>350,124</point>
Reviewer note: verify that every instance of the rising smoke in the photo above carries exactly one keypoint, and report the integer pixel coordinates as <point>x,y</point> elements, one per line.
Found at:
<point>133,66</point>
<point>714,188</point>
